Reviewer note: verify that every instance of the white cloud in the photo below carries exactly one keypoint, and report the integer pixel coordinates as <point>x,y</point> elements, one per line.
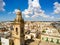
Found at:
<point>13,12</point>
<point>27,16</point>
<point>27,12</point>
<point>52,17</point>
<point>9,12</point>
<point>35,3</point>
<point>2,4</point>
<point>57,8</point>
<point>34,10</point>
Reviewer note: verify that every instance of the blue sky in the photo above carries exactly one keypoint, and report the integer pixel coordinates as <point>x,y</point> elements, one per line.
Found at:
<point>38,10</point>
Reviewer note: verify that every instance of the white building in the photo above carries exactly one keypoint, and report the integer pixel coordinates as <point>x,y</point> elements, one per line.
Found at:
<point>5,41</point>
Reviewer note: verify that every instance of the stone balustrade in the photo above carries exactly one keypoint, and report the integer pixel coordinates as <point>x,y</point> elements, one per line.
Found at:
<point>50,38</point>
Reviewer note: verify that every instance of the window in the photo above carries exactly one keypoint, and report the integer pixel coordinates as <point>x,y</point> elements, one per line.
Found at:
<point>16,31</point>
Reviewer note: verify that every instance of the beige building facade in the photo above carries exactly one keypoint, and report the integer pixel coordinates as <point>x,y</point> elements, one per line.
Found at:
<point>18,32</point>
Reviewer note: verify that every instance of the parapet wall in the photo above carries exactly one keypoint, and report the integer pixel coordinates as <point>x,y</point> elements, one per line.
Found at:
<point>50,38</point>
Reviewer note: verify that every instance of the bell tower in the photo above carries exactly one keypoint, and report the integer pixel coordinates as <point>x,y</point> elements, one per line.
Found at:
<point>18,32</point>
